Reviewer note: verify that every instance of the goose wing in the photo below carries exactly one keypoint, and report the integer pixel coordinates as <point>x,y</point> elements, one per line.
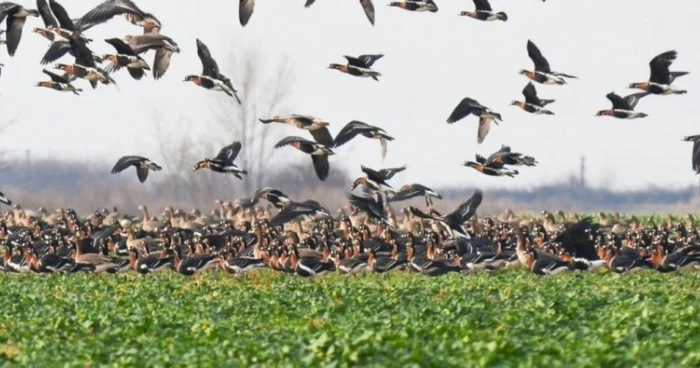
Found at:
<point>291,140</point>
<point>161,62</point>
<point>368,7</point>
<point>634,98</point>
<point>467,209</point>
<point>4,199</point>
<point>465,107</point>
<point>370,59</point>
<point>245,11</point>
<point>62,15</point>
<point>106,11</point>
<point>322,135</point>
<point>659,66</point>
<point>372,174</point>
<point>373,208</point>
<point>209,66</point>
<point>229,153</point>
<point>120,46</point>
<point>290,212</point>
<point>55,52</point>
<point>482,5</point>
<point>483,130</point>
<point>55,77</point>
<point>349,131</point>
<point>696,156</point>
<point>83,55</point>
<point>142,173</point>
<point>530,94</point>
<point>127,161</point>
<point>618,102</point>
<point>14,30</point>
<point>390,172</point>
<point>46,13</point>
<point>541,63</point>
<point>321,166</point>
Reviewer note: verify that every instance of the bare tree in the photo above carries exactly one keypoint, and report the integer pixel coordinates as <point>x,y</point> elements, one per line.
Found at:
<point>5,124</point>
<point>265,85</point>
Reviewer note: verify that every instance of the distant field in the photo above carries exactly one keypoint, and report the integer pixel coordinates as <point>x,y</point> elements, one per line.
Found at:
<point>512,318</point>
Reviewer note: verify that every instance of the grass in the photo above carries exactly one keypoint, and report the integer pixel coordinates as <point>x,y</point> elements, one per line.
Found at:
<point>512,318</point>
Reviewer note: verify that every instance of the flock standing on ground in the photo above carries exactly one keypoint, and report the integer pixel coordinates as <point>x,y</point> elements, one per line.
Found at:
<point>63,242</point>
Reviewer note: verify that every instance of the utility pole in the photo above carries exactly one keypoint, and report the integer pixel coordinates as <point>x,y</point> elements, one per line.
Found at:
<point>582,173</point>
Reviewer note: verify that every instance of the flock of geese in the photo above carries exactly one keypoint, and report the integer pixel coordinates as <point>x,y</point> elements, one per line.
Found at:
<point>303,237</point>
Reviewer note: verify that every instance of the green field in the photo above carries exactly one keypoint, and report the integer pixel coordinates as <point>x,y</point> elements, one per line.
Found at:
<point>512,318</point>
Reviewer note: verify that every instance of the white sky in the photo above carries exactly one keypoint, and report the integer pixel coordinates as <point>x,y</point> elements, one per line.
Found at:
<point>432,61</point>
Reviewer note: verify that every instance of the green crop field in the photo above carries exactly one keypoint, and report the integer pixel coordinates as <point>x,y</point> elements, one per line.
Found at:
<point>511,318</point>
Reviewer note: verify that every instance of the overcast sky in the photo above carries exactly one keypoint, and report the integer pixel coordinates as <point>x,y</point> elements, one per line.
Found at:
<point>432,61</point>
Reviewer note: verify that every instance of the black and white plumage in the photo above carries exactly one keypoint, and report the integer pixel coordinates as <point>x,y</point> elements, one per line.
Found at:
<point>59,30</point>
<point>382,264</point>
<point>59,83</point>
<point>53,263</point>
<point>359,66</point>
<point>628,102</point>
<point>377,179</point>
<point>623,107</point>
<point>543,73</point>
<point>627,263</point>
<point>4,199</point>
<point>59,26</point>
<point>454,220</point>
<point>223,162</point>
<point>153,263</point>
<point>111,8</point>
<point>389,173</point>
<point>484,12</point>
<point>470,106</point>
<point>15,16</point>
<point>416,5</point>
<point>355,128</point>
<point>293,210</point>
<point>373,205</point>
<point>545,263</point>
<point>211,77</point>
<point>660,64</point>
<point>363,61</point>
<point>533,104</point>
<point>85,66</point>
<point>125,57</point>
<point>142,165</point>
<point>274,196</point>
<point>530,93</point>
<point>661,76</point>
<point>195,264</point>
<point>410,191</point>
<point>318,152</point>
<point>242,265</point>
<point>311,266</point>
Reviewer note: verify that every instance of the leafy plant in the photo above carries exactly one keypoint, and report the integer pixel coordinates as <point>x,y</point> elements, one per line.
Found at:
<point>511,318</point>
